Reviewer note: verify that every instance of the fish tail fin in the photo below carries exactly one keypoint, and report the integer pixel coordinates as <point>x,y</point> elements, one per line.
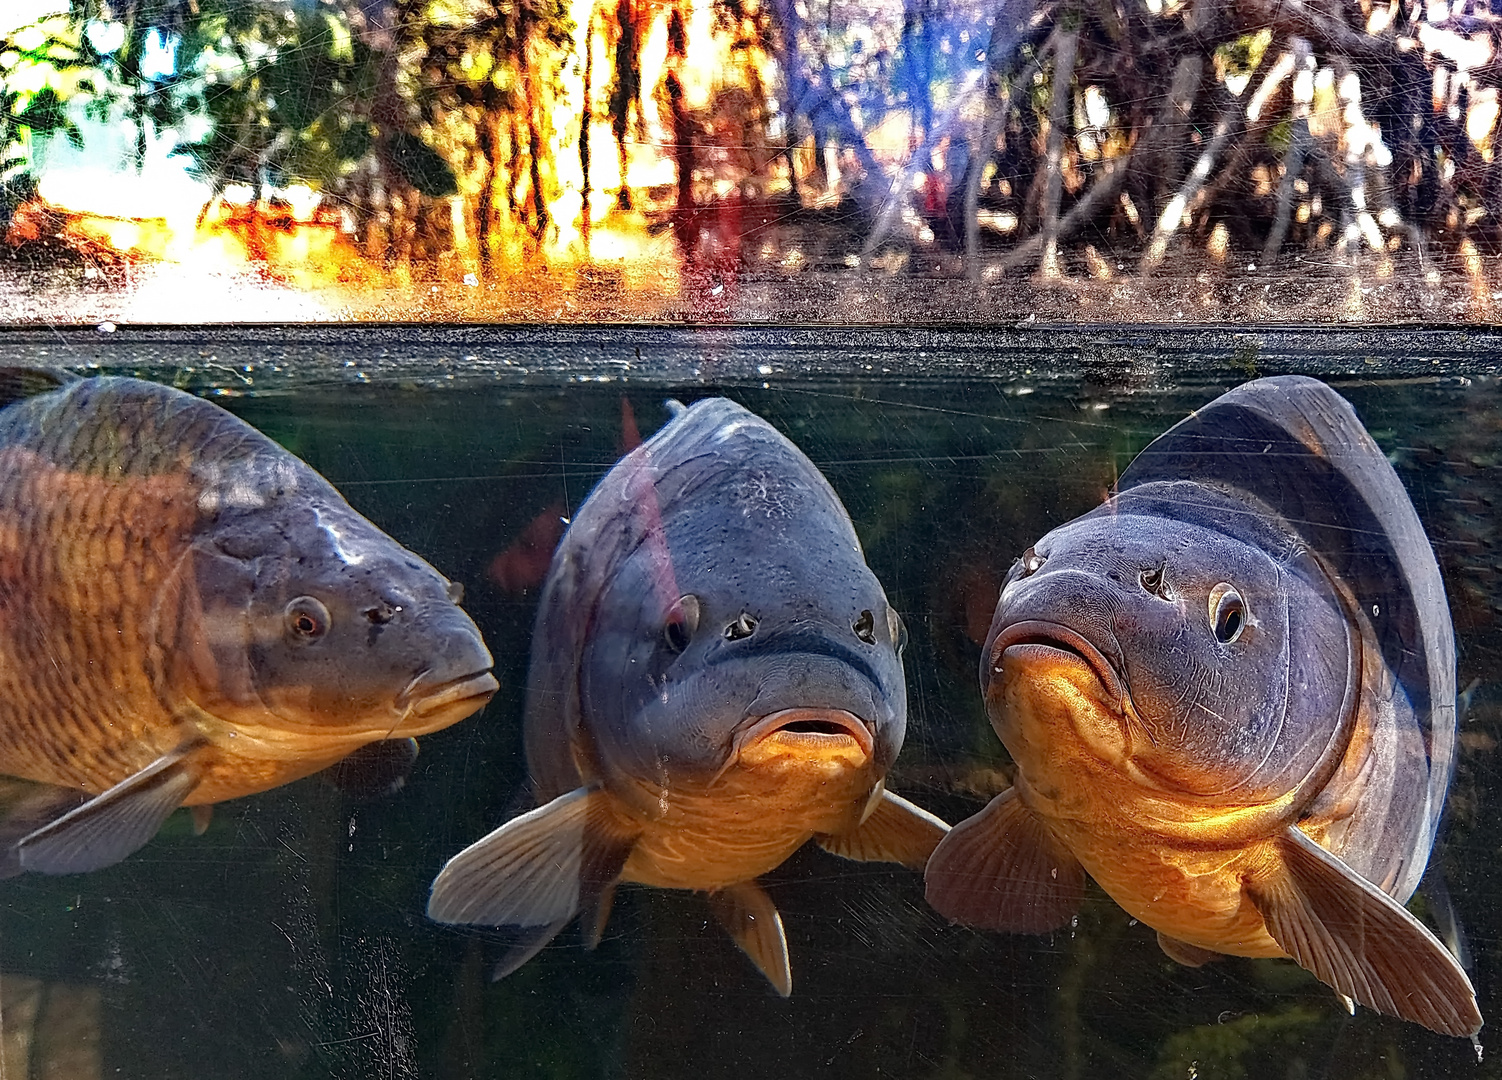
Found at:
<point>537,871</point>
<point>753,923</point>
<point>1358,940</point>
<point>894,830</point>
<point>114,824</point>
<point>1003,870</point>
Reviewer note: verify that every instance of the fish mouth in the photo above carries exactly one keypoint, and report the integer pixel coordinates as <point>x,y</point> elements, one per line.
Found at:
<point>447,701</point>
<point>827,734</point>
<point>1041,640</point>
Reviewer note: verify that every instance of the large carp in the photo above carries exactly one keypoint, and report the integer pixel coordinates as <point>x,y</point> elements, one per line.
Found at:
<point>188,613</point>
<point>716,678</point>
<point>1230,696</point>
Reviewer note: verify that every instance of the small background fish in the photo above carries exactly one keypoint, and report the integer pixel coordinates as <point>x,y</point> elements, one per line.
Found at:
<point>188,614</point>
<point>715,679</point>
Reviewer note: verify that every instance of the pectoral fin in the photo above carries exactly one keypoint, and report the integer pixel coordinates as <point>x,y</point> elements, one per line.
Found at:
<point>894,831</point>
<point>1181,952</point>
<point>1004,870</point>
<point>112,825</point>
<point>26,806</point>
<point>750,918</point>
<point>1359,940</point>
<point>376,770</point>
<point>538,870</point>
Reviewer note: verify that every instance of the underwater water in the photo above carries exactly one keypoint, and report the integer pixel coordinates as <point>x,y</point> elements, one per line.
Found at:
<point>290,939</point>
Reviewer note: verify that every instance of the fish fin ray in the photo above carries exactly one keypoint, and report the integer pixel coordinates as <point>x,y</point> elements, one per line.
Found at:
<point>1181,952</point>
<point>537,869</point>
<point>27,807</point>
<point>525,944</point>
<point>114,824</point>
<point>1359,940</point>
<point>896,831</point>
<point>594,920</point>
<point>753,923</point>
<point>1004,870</point>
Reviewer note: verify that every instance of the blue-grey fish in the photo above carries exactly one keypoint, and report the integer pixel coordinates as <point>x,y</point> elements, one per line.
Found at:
<point>1229,693</point>
<point>188,613</point>
<point>716,678</point>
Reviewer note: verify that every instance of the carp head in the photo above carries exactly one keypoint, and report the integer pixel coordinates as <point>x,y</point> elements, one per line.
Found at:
<point>1194,660</point>
<point>301,615</point>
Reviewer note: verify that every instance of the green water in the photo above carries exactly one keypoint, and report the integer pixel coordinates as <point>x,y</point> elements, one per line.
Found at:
<point>290,940</point>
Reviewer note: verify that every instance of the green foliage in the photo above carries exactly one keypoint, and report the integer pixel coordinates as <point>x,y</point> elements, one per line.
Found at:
<point>30,112</point>
<point>285,90</point>
<point>422,166</point>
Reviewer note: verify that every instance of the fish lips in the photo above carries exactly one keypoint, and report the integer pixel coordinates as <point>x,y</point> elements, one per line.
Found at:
<point>430,705</point>
<point>1038,635</point>
<point>826,734</point>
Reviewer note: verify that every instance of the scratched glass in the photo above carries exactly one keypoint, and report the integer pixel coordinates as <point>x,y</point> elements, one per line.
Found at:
<point>290,939</point>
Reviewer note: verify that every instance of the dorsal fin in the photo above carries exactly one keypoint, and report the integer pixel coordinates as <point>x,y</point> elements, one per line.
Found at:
<point>1297,447</point>
<point>19,383</point>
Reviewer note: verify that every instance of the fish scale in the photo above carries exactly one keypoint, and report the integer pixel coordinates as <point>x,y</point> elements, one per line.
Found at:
<point>153,550</point>
<point>108,700</point>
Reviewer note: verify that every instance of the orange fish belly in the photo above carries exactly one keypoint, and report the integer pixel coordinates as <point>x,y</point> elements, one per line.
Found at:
<point>743,824</point>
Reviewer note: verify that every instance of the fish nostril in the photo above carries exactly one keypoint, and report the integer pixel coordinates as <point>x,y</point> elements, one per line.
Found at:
<point>743,627</point>
<point>455,591</point>
<point>865,627</point>
<point>1155,581</point>
<point>382,614</point>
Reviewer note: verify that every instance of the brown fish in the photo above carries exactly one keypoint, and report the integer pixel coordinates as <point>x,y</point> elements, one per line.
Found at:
<point>189,613</point>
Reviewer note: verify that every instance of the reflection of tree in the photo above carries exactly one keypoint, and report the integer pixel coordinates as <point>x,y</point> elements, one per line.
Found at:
<point>1055,135</point>
<point>487,86</point>
<point>30,116</point>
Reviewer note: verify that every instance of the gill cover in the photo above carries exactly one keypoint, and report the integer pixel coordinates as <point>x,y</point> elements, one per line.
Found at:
<point>304,608</point>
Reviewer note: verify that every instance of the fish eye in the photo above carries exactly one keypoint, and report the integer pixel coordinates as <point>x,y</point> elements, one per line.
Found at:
<point>1227,613</point>
<point>306,619</point>
<point>865,627</point>
<point>743,627</point>
<point>1031,562</point>
<point>898,629</point>
<point>683,620</point>
<point>455,592</point>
